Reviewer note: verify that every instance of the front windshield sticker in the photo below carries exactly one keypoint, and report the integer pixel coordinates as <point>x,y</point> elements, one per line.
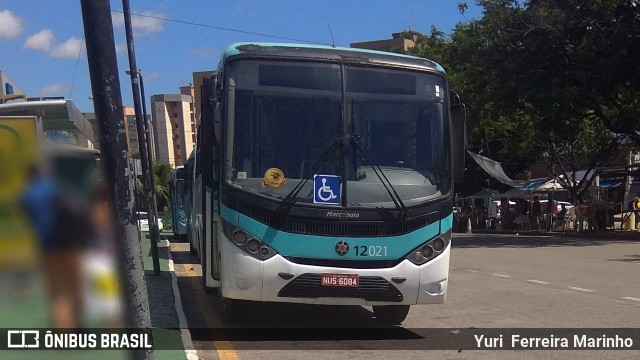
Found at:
<point>274,178</point>
<point>242,175</point>
<point>326,189</point>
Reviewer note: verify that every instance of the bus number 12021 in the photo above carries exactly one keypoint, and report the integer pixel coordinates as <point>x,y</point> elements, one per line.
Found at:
<point>373,250</point>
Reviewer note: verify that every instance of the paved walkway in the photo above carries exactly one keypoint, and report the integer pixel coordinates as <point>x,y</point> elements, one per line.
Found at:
<point>23,303</point>
<point>164,319</point>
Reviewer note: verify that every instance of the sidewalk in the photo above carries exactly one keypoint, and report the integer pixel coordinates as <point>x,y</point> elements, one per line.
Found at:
<point>605,234</point>
<point>164,319</point>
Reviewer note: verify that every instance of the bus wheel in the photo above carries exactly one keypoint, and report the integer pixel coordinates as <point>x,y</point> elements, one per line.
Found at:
<point>232,309</point>
<point>392,314</point>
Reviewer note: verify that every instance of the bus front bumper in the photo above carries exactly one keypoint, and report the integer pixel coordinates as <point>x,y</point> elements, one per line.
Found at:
<point>247,278</point>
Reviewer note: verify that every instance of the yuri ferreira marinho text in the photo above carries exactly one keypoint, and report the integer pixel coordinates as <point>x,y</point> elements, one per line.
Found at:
<point>577,341</point>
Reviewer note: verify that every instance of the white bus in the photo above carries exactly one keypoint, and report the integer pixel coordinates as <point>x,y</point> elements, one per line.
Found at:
<point>325,176</point>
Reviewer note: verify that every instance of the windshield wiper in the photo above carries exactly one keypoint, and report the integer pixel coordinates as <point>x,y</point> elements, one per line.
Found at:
<point>397,200</point>
<point>291,198</point>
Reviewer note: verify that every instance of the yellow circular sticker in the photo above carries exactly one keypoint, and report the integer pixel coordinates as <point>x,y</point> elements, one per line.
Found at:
<point>274,178</point>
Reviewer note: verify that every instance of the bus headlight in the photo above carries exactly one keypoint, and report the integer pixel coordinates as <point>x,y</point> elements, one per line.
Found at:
<point>438,244</point>
<point>247,242</point>
<point>429,250</point>
<point>253,245</point>
<point>239,237</point>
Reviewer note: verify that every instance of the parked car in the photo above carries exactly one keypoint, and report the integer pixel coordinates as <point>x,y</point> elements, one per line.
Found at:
<point>143,222</point>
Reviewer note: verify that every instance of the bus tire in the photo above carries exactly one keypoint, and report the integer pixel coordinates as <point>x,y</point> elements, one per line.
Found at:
<point>391,314</point>
<point>232,310</point>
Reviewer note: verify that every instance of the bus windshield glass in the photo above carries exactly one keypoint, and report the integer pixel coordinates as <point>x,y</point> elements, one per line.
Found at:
<point>294,120</point>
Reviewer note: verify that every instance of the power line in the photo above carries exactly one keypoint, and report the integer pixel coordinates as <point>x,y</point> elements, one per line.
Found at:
<point>75,72</point>
<point>223,28</point>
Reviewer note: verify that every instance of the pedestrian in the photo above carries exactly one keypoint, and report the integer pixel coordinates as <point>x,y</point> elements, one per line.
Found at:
<point>536,212</point>
<point>101,294</point>
<point>59,221</point>
<point>635,204</point>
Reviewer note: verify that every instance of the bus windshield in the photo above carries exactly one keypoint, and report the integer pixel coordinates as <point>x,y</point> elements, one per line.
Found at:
<point>297,117</point>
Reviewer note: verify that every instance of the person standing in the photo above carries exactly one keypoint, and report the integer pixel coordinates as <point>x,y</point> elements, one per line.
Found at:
<point>536,212</point>
<point>635,204</point>
<point>58,220</point>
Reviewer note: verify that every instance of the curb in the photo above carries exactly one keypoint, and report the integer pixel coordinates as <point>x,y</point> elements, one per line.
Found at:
<point>185,333</point>
<point>612,235</point>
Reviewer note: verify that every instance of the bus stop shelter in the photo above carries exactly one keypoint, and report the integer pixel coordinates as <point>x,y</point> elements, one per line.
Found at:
<point>61,121</point>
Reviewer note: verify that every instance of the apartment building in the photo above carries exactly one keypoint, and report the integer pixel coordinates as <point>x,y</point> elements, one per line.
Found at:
<point>400,41</point>
<point>173,126</point>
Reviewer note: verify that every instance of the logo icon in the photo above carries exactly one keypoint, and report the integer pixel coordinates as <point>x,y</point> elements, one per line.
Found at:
<point>326,189</point>
<point>273,177</point>
<point>21,339</point>
<point>342,248</point>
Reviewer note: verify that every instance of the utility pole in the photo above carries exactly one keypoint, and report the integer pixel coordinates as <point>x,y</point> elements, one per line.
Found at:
<point>149,135</point>
<point>147,171</point>
<point>105,86</point>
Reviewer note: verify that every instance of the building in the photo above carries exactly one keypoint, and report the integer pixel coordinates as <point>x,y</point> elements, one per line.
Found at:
<point>59,120</point>
<point>130,127</point>
<point>173,125</point>
<point>198,78</point>
<point>9,89</point>
<point>400,41</point>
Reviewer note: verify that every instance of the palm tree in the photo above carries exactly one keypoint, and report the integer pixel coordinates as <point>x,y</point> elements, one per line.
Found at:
<point>162,175</point>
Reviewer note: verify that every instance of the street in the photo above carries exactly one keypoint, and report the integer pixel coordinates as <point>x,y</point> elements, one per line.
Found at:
<point>496,281</point>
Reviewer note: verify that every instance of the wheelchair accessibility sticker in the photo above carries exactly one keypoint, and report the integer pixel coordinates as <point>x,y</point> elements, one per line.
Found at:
<point>326,189</point>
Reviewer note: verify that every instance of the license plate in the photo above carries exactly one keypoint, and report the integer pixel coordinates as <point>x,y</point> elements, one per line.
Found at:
<point>340,280</point>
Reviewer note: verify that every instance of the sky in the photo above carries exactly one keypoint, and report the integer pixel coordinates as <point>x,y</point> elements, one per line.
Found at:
<point>42,44</point>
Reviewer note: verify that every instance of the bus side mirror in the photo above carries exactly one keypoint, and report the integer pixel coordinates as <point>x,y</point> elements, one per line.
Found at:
<point>209,133</point>
<point>210,108</point>
<point>459,132</point>
<point>217,122</point>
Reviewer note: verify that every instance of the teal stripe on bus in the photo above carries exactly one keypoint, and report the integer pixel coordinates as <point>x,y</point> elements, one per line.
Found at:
<point>323,247</point>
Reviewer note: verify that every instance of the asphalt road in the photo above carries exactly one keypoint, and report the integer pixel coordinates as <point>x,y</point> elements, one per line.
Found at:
<point>496,281</point>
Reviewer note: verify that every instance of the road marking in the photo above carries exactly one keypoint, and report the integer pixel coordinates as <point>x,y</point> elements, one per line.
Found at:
<point>185,334</point>
<point>186,270</point>
<point>473,271</point>
<point>223,346</point>
<point>501,275</point>
<point>581,289</point>
<point>630,298</point>
<point>538,282</point>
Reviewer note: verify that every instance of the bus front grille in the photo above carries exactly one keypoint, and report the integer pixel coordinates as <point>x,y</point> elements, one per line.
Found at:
<point>370,288</point>
<point>342,228</point>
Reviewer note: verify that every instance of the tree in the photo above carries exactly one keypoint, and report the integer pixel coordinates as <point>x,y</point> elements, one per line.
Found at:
<point>547,80</point>
<point>162,175</point>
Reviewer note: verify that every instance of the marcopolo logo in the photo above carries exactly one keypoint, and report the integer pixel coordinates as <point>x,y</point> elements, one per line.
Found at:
<point>342,248</point>
<point>23,339</point>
